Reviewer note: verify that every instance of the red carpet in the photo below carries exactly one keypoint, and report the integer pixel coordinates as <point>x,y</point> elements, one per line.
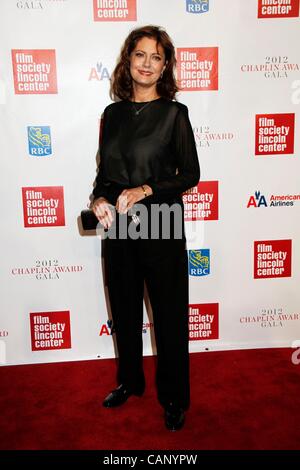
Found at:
<point>240,400</point>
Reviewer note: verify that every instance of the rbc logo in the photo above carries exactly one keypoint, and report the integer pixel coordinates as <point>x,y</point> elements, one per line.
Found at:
<point>197,6</point>
<point>257,200</point>
<point>39,141</point>
<point>199,262</point>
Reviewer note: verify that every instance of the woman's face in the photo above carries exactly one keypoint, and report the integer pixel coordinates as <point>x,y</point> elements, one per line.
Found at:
<point>147,62</point>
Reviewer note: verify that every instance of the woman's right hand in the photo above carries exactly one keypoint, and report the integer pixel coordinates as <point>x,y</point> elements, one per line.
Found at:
<point>101,209</point>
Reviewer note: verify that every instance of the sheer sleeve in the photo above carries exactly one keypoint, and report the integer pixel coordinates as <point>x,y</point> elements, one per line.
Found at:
<point>100,189</point>
<point>186,158</point>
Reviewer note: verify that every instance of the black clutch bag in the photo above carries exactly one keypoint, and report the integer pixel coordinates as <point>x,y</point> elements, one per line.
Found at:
<point>89,220</point>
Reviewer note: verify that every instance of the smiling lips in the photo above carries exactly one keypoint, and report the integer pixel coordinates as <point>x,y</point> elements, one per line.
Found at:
<point>142,72</point>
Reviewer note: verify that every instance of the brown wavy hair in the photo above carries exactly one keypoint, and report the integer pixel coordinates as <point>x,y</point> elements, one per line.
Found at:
<point>121,81</point>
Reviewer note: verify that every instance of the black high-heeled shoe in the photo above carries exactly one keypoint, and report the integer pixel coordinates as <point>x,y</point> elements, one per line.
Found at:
<point>174,417</point>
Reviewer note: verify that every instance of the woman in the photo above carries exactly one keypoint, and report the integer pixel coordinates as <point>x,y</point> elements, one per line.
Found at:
<point>148,158</point>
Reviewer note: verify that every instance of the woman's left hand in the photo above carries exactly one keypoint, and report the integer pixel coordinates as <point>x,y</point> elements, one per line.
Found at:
<point>129,197</point>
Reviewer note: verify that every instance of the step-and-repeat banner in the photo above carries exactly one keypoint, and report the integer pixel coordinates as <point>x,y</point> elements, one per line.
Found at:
<point>238,68</point>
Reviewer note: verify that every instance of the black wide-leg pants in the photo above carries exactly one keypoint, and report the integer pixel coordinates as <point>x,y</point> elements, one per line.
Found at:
<point>163,265</point>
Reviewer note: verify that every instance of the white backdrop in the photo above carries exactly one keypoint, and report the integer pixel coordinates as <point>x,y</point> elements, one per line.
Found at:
<point>56,58</point>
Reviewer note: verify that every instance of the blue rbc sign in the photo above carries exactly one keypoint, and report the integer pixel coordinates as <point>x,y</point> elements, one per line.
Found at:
<point>39,141</point>
<point>197,6</point>
<point>199,262</point>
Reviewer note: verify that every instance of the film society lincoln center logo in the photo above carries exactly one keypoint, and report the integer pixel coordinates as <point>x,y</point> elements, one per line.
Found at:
<point>278,8</point>
<point>274,134</point>
<point>202,201</point>
<point>203,321</point>
<point>197,68</point>
<point>114,10</point>
<point>272,258</point>
<point>43,206</point>
<point>34,71</point>
<point>50,330</point>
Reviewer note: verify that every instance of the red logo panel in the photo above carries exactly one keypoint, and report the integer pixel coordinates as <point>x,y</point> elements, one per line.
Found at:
<point>274,134</point>
<point>203,321</point>
<point>278,9</point>
<point>50,330</point>
<point>110,11</point>
<point>43,206</point>
<point>197,68</point>
<point>272,258</point>
<point>202,202</point>
<point>34,71</point>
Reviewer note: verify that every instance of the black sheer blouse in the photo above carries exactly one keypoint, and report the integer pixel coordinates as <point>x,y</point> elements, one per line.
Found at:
<point>155,146</point>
